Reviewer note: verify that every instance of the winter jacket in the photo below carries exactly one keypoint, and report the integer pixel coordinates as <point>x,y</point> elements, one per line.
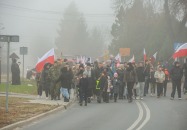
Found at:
<point>185,69</point>
<point>140,74</point>
<point>83,85</point>
<point>103,83</point>
<point>120,74</point>
<point>147,71</point>
<point>130,76</point>
<point>176,73</point>
<point>116,84</point>
<point>159,76</point>
<point>45,79</point>
<point>64,78</point>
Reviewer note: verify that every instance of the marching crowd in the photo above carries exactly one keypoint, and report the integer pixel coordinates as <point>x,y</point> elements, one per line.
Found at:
<point>109,81</point>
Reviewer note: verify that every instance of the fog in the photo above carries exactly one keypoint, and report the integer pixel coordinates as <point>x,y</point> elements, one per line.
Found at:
<point>37,22</point>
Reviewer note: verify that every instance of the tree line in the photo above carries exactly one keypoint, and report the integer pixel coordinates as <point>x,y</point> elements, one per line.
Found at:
<point>151,24</point>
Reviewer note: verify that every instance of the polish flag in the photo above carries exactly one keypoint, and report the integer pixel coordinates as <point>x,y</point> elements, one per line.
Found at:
<point>118,58</point>
<point>48,57</point>
<point>153,58</point>
<point>181,51</point>
<point>132,59</point>
<point>144,54</point>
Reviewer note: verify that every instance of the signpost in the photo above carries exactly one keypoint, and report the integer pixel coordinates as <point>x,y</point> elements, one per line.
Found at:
<point>106,55</point>
<point>124,52</point>
<point>23,51</point>
<point>8,39</point>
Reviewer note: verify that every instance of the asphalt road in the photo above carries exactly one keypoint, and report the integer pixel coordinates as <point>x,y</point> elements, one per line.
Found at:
<point>148,114</point>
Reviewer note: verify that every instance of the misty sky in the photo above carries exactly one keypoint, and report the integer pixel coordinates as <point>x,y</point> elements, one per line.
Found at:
<point>39,19</point>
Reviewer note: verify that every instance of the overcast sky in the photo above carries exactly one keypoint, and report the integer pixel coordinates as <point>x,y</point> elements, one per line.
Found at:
<point>39,19</point>
<point>19,16</point>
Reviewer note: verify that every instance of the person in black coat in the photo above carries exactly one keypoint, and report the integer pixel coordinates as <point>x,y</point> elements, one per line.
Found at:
<point>120,72</point>
<point>147,76</point>
<point>70,79</point>
<point>83,89</point>
<point>102,84</point>
<point>176,76</point>
<point>141,80</point>
<point>45,79</point>
<point>65,78</point>
<point>130,78</point>
<point>152,81</point>
<point>15,73</point>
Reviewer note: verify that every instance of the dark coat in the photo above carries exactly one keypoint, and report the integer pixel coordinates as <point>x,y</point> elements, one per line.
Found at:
<point>83,85</point>
<point>103,83</point>
<point>45,79</point>
<point>97,73</point>
<point>15,74</point>
<point>120,74</point>
<point>176,73</point>
<point>147,70</point>
<point>185,69</point>
<point>116,85</point>
<point>65,78</point>
<point>130,76</point>
<point>140,74</point>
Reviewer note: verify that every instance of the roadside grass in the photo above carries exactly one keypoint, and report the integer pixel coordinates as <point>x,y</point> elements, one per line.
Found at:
<point>27,87</point>
<point>20,109</point>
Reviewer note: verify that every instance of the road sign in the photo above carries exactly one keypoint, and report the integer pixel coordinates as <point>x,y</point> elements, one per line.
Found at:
<point>124,51</point>
<point>9,38</point>
<point>3,38</point>
<point>23,50</point>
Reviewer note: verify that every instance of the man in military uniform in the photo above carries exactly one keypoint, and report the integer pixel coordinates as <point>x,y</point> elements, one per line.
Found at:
<point>54,74</point>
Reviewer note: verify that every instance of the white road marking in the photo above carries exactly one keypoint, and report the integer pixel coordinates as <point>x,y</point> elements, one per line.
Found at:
<point>140,116</point>
<point>148,115</point>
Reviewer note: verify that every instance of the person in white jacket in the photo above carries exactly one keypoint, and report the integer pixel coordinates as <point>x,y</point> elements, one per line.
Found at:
<point>160,78</point>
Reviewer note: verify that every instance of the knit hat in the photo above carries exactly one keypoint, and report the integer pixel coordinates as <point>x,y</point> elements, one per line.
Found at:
<point>115,75</point>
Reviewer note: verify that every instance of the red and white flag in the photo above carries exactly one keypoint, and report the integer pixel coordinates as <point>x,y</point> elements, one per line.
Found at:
<point>181,51</point>
<point>118,58</point>
<point>153,58</point>
<point>144,55</point>
<point>48,57</point>
<point>132,59</point>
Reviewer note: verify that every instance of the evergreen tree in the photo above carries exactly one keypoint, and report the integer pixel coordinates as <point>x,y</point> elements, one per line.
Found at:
<point>72,35</point>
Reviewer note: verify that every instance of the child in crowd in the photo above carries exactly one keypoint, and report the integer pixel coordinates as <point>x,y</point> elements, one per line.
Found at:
<point>83,89</point>
<point>116,85</point>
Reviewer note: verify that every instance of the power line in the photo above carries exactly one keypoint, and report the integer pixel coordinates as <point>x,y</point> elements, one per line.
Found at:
<point>51,12</point>
<point>52,20</point>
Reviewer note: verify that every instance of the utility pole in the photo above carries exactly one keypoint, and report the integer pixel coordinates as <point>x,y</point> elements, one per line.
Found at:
<point>7,83</point>
<point>23,51</point>
<point>8,39</point>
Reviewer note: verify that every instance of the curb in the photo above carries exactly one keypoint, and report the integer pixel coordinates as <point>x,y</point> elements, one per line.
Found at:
<point>22,94</point>
<point>24,122</point>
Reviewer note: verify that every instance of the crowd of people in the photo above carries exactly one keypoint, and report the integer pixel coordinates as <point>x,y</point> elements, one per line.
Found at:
<point>109,81</point>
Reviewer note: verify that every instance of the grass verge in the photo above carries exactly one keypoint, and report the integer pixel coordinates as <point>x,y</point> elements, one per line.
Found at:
<point>20,109</point>
<point>27,87</point>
